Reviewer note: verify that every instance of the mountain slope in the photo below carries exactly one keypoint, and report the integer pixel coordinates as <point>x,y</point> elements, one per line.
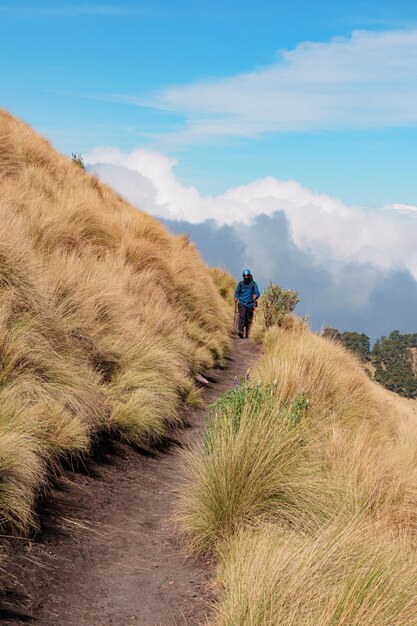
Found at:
<point>104,318</point>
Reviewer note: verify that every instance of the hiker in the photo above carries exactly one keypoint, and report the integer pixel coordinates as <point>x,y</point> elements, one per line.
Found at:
<point>246,295</point>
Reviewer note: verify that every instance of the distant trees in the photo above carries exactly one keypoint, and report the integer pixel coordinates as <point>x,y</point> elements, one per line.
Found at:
<point>393,360</point>
<point>357,342</point>
<point>391,356</point>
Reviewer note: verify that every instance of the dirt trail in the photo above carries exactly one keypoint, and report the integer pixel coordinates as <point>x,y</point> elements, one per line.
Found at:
<point>107,552</point>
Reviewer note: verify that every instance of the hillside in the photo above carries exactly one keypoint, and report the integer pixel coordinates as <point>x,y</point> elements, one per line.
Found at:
<point>304,491</point>
<point>303,488</point>
<point>105,318</point>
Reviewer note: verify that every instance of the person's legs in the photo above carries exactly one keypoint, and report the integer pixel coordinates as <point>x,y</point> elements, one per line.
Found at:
<point>242,319</point>
<point>249,319</point>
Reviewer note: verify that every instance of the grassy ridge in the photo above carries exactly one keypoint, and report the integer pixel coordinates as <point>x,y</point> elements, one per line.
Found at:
<point>104,318</point>
<point>306,490</point>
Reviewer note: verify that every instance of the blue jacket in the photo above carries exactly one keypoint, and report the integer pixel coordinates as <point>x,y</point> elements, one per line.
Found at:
<point>245,293</point>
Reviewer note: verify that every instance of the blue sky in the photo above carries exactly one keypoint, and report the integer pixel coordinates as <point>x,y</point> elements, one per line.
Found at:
<point>203,112</point>
<point>60,60</point>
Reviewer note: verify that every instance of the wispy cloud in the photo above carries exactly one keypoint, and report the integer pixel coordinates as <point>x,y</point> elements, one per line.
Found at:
<point>74,10</point>
<point>367,80</point>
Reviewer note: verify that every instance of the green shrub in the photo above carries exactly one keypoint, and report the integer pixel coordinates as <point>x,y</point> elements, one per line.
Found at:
<point>277,303</point>
<point>230,406</point>
<point>250,398</point>
<point>298,407</point>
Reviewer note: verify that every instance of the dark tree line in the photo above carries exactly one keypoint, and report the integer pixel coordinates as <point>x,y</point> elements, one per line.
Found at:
<point>391,356</point>
<point>358,343</point>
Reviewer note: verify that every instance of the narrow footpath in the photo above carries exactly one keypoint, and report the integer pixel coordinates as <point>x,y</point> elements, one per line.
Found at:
<point>107,552</point>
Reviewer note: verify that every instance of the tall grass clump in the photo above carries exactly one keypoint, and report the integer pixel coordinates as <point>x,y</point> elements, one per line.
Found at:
<point>238,480</point>
<point>305,490</point>
<point>224,282</point>
<point>105,318</point>
<point>355,574</point>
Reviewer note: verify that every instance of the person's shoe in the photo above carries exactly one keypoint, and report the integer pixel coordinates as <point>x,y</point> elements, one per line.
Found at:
<point>240,334</point>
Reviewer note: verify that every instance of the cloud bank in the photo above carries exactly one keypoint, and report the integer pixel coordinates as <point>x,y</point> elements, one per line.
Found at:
<point>342,259</point>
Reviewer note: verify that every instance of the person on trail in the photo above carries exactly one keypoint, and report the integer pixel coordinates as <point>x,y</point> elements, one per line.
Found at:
<point>246,295</point>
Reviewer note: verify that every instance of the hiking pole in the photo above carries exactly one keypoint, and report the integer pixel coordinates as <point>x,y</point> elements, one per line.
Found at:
<point>234,319</point>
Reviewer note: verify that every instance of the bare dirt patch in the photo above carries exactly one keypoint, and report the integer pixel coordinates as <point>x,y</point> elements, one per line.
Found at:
<point>107,552</point>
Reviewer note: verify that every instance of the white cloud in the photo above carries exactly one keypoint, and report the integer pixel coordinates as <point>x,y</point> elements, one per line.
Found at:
<point>365,80</point>
<point>403,208</point>
<point>336,235</point>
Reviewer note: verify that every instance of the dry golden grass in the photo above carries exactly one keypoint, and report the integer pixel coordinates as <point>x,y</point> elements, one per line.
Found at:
<point>225,283</point>
<point>237,484</point>
<point>104,318</point>
<point>313,514</point>
<point>347,575</point>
